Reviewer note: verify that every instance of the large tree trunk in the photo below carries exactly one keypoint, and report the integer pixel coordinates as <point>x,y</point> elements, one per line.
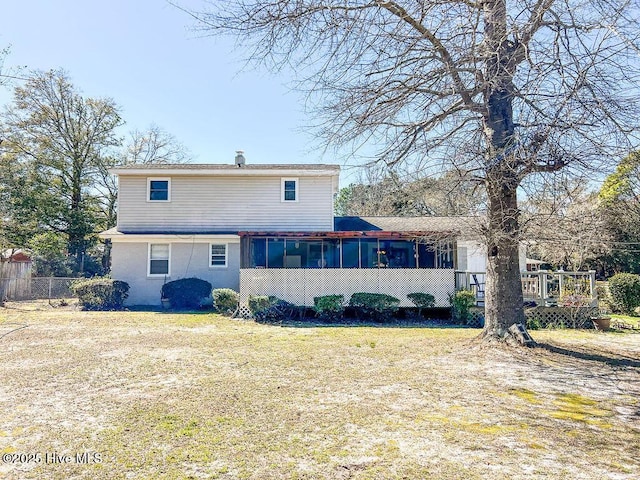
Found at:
<point>503,289</point>
<point>77,228</point>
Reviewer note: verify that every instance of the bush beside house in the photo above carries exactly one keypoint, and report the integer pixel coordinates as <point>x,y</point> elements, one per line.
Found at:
<point>271,309</point>
<point>101,293</point>
<point>376,306</point>
<point>422,300</point>
<point>329,307</point>
<point>225,300</point>
<point>462,302</point>
<point>186,293</point>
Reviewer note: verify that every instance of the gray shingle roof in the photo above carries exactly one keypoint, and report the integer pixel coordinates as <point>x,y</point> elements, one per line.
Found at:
<point>461,226</point>
<point>218,166</point>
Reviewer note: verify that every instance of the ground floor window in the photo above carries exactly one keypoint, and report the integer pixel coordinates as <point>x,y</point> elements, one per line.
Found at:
<point>218,255</point>
<point>159,256</point>
<point>276,252</point>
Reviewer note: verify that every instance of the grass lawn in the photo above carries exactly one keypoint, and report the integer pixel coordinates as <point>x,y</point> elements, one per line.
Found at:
<point>629,322</point>
<point>179,396</point>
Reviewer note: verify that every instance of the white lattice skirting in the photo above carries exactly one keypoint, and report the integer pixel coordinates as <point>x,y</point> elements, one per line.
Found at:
<point>299,285</point>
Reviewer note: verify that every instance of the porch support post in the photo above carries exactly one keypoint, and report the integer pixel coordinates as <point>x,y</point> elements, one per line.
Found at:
<point>560,282</point>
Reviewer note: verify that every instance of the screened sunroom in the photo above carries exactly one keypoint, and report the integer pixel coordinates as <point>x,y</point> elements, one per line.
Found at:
<point>298,266</point>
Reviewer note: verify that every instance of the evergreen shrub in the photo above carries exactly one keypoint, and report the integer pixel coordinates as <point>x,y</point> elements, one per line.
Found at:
<point>377,306</point>
<point>100,293</point>
<point>422,300</point>
<point>225,300</point>
<point>186,293</point>
<point>329,307</point>
<point>461,303</point>
<point>625,292</point>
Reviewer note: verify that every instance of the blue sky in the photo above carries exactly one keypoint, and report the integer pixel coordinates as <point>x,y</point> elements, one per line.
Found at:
<point>144,55</point>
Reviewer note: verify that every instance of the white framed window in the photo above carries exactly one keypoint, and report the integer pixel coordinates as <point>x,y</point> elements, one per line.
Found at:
<point>158,189</point>
<point>289,189</point>
<point>159,264</point>
<point>218,255</point>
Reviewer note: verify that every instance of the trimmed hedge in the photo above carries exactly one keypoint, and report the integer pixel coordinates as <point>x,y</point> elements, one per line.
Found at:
<point>377,306</point>
<point>422,300</point>
<point>101,293</point>
<point>329,307</point>
<point>186,293</point>
<point>225,300</point>
<point>625,292</point>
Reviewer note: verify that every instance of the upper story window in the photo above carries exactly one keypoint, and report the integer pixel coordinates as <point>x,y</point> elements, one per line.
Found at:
<point>218,255</point>
<point>159,255</point>
<point>159,189</point>
<point>289,190</point>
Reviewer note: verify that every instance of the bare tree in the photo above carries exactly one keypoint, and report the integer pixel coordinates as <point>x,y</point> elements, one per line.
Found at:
<point>502,89</point>
<point>151,146</point>
<point>564,225</point>
<point>383,192</point>
<point>7,75</point>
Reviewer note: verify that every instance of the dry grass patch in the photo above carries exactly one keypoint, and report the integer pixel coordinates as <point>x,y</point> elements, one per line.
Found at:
<point>176,396</point>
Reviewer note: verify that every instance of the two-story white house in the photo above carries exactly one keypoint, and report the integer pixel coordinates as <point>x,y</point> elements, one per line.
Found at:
<point>270,229</point>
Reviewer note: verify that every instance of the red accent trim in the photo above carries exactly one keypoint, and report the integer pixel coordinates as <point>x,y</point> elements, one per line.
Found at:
<point>334,234</point>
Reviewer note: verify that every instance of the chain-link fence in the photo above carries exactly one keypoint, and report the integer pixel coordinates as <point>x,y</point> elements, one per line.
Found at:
<point>35,288</point>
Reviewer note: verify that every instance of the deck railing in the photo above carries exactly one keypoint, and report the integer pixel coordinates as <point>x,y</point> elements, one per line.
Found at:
<point>543,287</point>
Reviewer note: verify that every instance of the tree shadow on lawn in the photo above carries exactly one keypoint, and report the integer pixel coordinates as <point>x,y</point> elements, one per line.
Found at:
<point>608,358</point>
<point>403,318</point>
<point>169,311</point>
<point>354,322</point>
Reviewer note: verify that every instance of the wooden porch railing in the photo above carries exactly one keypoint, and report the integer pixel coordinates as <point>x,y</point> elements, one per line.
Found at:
<point>543,287</point>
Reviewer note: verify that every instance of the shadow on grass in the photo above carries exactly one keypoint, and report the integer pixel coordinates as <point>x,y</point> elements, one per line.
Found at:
<point>169,311</point>
<point>403,318</point>
<point>613,360</point>
<point>350,323</point>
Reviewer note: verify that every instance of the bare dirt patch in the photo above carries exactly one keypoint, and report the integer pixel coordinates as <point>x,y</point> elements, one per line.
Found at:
<point>160,395</point>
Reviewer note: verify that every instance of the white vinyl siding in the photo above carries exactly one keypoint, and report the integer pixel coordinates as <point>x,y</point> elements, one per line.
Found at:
<point>218,257</point>
<point>207,203</point>
<point>159,259</point>
<point>158,189</point>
